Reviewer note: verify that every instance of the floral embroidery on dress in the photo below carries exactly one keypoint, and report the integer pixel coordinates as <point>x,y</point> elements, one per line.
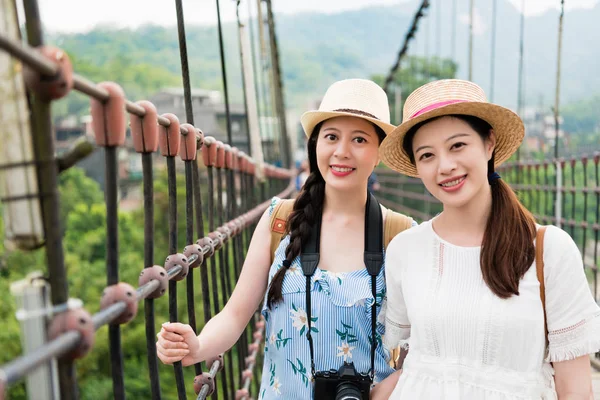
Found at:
<point>294,270</point>
<point>345,351</point>
<point>345,334</point>
<point>300,320</point>
<point>280,340</point>
<point>274,381</point>
<point>300,369</point>
<point>336,275</point>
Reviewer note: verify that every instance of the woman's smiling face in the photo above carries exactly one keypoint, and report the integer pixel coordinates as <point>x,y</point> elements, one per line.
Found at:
<point>347,152</point>
<point>452,160</point>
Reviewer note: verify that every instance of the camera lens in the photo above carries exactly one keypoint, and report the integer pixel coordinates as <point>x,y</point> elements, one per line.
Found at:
<point>347,391</point>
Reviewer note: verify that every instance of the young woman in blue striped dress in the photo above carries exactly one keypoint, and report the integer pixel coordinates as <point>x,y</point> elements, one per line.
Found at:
<point>344,137</point>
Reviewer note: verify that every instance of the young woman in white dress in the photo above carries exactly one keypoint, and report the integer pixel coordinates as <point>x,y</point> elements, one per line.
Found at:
<point>463,293</point>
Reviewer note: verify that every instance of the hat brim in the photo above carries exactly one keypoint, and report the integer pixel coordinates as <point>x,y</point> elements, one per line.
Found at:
<point>310,119</point>
<point>507,125</point>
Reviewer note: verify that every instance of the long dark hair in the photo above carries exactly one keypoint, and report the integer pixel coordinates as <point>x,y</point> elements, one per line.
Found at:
<point>507,250</point>
<point>307,208</point>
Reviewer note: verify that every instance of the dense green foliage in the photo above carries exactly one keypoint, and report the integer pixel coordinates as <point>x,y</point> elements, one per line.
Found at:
<point>84,216</point>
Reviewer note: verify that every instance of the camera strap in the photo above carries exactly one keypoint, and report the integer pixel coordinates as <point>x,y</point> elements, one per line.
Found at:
<point>373,258</point>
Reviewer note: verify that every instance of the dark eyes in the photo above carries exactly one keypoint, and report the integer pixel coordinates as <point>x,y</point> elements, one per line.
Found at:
<point>455,146</point>
<point>425,156</point>
<point>358,139</point>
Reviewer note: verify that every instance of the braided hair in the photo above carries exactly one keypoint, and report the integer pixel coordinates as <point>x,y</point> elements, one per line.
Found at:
<point>307,208</point>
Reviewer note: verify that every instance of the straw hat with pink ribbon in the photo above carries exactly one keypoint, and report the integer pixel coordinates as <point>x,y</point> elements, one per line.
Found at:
<point>447,97</point>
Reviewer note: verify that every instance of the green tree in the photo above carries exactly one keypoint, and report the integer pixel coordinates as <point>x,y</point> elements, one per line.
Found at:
<point>413,73</point>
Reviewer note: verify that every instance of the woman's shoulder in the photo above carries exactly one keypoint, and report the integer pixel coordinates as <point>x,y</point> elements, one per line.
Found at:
<point>414,237</point>
<point>556,240</point>
<point>559,248</point>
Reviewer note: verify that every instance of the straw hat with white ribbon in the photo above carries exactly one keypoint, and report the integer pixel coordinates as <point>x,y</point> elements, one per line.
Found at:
<point>354,98</point>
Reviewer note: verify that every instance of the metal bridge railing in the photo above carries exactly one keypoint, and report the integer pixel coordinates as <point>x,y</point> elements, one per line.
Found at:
<point>236,199</point>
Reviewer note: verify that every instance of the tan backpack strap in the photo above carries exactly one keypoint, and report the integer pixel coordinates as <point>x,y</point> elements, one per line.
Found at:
<point>539,265</point>
<point>278,221</point>
<point>394,224</point>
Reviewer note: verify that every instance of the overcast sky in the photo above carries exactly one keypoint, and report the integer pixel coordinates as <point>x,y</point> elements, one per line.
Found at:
<point>83,15</point>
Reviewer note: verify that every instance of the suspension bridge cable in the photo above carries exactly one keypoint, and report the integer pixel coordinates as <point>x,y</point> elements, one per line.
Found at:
<point>240,28</point>
<point>453,34</point>
<point>521,57</point>
<point>278,88</point>
<point>148,190</point>
<point>471,12</point>
<point>438,47</point>
<point>558,66</point>
<point>520,79</point>
<point>426,49</point>
<point>254,59</point>
<point>404,48</point>
<point>43,147</point>
<point>224,74</point>
<point>493,51</point>
<point>189,165</point>
<point>266,128</point>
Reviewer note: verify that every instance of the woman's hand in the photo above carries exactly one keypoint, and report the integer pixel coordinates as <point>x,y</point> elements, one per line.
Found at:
<point>177,342</point>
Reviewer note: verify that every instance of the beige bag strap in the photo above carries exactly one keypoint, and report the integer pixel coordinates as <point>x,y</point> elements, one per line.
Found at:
<point>539,265</point>
<point>394,224</point>
<point>278,223</point>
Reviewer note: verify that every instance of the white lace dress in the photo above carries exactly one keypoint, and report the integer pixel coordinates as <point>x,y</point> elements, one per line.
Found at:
<point>467,343</point>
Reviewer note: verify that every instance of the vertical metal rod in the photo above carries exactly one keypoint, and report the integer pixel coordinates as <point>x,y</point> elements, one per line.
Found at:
<point>539,209</point>
<point>189,236</point>
<point>254,59</point>
<point>584,225</point>
<point>472,10</point>
<point>493,51</point>
<point>265,126</point>
<point>558,176</point>
<point>242,66</point>
<point>278,88</point>
<point>427,56</point>
<point>438,47</point>
<point>573,192</point>
<point>453,35</point>
<point>200,232</point>
<point>231,256</point>
<point>521,56</point>
<point>548,194</point>
<point>224,75</point>
<point>211,228</point>
<point>147,178</point>
<point>223,265</point>
<point>185,71</point>
<point>43,145</point>
<point>172,189</point>
<point>558,66</point>
<point>597,179</point>
<point>112,266</point>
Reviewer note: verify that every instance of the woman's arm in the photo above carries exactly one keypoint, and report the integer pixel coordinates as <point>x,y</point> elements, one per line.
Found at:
<point>177,342</point>
<point>573,379</point>
<point>384,389</point>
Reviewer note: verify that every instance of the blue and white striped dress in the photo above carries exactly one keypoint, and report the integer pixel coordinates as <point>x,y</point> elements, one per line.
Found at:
<point>341,326</point>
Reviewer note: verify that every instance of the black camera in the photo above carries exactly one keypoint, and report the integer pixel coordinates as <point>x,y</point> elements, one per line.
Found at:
<point>344,384</point>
